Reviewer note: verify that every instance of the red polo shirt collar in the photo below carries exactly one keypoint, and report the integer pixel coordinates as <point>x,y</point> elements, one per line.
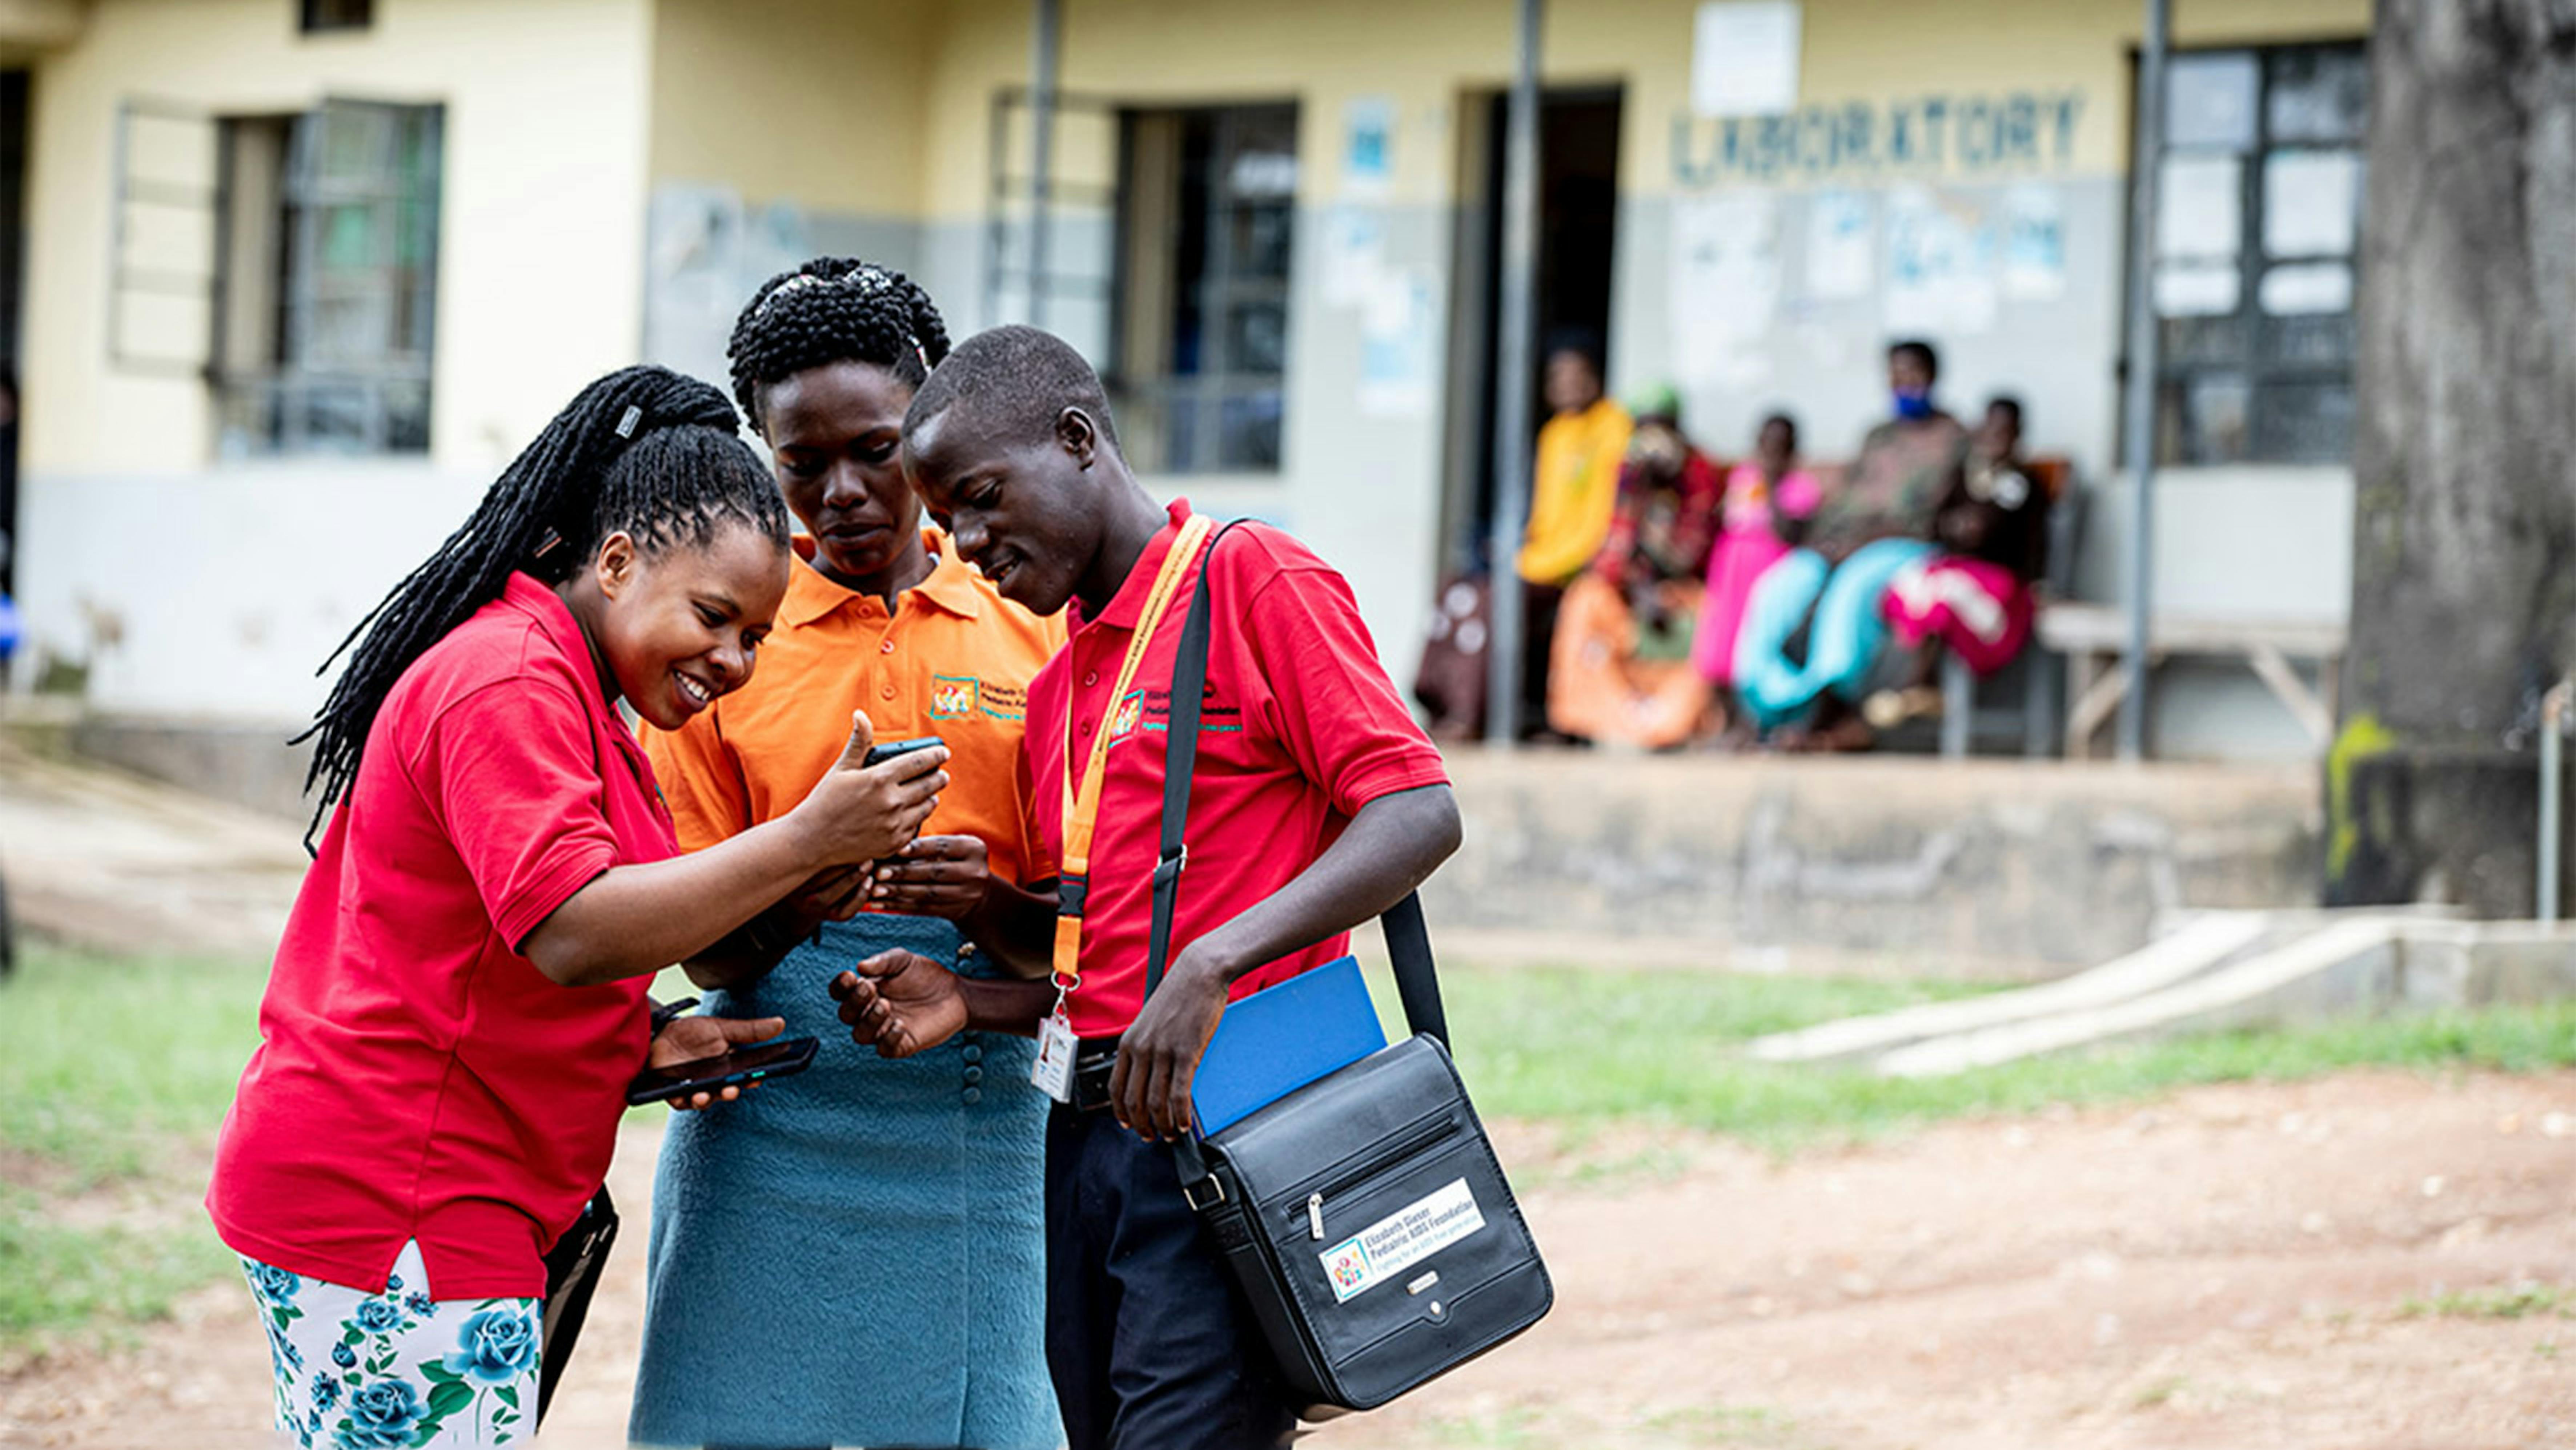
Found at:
<point>1127,606</point>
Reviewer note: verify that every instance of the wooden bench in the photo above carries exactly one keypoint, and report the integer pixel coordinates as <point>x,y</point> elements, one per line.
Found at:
<point>2095,637</point>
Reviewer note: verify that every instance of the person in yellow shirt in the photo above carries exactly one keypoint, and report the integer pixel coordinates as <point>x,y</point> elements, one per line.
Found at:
<point>891,1206</point>
<point>1575,488</point>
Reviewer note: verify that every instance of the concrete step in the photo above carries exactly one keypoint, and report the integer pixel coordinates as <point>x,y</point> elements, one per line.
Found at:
<point>2346,968</point>
<point>2218,971</point>
<point>2205,943</point>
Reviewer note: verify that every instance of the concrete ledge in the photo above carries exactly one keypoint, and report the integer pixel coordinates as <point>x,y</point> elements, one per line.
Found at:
<point>1990,870</point>
<point>1894,866</point>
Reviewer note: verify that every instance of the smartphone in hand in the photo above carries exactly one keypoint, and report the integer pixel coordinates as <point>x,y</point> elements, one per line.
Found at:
<point>883,751</point>
<point>739,1068</point>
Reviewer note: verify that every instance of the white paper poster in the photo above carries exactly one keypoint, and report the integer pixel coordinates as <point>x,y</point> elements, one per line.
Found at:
<point>1396,323</point>
<point>1744,58</point>
<point>1354,254</point>
<point>1725,287</point>
<point>2034,228</point>
<point>1940,265</point>
<point>1368,148</point>
<point>1842,245</point>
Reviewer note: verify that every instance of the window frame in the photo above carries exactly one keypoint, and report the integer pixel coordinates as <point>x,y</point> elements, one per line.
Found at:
<point>266,410</point>
<point>2253,361</point>
<point>1219,285</point>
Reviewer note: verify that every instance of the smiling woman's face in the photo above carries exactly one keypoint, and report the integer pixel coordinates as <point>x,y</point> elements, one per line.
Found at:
<point>834,432</point>
<point>680,628</point>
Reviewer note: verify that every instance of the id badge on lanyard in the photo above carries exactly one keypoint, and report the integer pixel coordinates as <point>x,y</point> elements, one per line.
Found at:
<point>1052,1073</point>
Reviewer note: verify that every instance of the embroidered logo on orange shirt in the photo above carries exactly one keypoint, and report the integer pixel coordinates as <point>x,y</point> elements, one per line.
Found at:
<point>954,696</point>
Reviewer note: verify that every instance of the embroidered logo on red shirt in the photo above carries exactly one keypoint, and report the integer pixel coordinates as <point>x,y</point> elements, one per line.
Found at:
<point>1130,712</point>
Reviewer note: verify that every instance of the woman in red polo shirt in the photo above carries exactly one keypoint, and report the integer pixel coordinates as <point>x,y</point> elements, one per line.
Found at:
<point>458,1001</point>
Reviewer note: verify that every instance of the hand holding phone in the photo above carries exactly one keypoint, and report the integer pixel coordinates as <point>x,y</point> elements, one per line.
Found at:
<point>701,1038</point>
<point>883,751</point>
<point>701,1081</point>
<point>858,812</point>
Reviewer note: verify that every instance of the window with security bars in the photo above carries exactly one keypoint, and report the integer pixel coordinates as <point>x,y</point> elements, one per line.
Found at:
<point>325,320</point>
<point>1206,221</point>
<point>2259,203</point>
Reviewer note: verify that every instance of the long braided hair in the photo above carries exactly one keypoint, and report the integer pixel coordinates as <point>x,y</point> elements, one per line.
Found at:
<point>833,309</point>
<point>643,451</point>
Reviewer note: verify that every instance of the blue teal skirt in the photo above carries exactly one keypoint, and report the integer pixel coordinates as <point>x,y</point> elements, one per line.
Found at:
<point>855,1255</point>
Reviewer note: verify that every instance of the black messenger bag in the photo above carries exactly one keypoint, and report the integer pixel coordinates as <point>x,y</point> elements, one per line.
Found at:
<point>1364,1215</point>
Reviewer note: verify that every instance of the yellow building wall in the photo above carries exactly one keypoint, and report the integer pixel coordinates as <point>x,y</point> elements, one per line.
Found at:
<point>1425,53</point>
<point>542,198</point>
<point>819,102</point>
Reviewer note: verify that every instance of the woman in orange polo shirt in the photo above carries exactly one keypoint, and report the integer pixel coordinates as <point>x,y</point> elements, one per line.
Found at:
<point>859,1260</point>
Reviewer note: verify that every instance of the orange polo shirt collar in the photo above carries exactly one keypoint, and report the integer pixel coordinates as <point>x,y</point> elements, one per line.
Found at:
<point>812,594</point>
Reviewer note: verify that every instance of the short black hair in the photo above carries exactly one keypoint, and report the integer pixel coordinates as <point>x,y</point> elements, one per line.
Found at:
<point>2008,403</point>
<point>1019,380</point>
<point>833,309</point>
<point>1583,342</point>
<point>1921,351</point>
<point>1783,419</point>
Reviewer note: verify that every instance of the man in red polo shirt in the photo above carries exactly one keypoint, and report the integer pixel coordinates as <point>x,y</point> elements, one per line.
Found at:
<point>1317,803</point>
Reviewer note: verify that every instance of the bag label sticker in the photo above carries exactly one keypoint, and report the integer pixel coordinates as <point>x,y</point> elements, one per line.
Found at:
<point>1400,1240</point>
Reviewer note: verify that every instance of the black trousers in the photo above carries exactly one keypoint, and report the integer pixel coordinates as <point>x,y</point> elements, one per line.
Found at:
<point>1147,1337</point>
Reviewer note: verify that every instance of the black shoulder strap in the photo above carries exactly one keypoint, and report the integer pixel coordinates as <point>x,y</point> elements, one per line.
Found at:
<point>1408,943</point>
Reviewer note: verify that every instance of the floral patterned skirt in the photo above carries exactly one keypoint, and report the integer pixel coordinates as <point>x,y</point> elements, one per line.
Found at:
<point>366,1371</point>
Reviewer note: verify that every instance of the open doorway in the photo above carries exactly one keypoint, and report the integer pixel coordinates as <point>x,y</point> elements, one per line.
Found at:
<point>1578,185</point>
<point>13,271</point>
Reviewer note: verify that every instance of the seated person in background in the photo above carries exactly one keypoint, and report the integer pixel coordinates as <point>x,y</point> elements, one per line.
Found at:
<point>1575,485</point>
<point>1764,510</point>
<point>1876,523</point>
<point>1975,596</point>
<point>1618,671</point>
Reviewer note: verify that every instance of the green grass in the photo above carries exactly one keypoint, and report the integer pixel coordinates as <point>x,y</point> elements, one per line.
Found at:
<point>2520,1301</point>
<point>1585,1049</point>
<point>117,1073</point>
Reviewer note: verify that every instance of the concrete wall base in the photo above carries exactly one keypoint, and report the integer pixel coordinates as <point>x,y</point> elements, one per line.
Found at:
<point>1986,870</point>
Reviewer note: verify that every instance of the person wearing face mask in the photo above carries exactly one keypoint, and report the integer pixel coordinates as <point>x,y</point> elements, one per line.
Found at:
<point>1864,533</point>
<point>1619,671</point>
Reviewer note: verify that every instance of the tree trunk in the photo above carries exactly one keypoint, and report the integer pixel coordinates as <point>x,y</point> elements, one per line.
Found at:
<point>2464,453</point>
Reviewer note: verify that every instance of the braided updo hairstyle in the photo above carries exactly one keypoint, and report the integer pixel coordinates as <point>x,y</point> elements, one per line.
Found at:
<point>833,309</point>
<point>643,451</point>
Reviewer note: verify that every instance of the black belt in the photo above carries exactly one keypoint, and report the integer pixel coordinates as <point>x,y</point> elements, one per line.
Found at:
<point>1094,1058</point>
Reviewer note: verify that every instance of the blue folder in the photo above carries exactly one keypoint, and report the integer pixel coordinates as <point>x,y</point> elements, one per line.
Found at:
<point>1283,1037</point>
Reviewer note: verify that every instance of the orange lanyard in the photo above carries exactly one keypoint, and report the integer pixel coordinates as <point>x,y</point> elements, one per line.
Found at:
<point>1082,807</point>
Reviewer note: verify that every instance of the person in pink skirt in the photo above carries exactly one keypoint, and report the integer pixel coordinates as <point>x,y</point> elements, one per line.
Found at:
<point>1767,502</point>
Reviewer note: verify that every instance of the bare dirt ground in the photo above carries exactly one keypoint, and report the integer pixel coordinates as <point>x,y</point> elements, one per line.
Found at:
<point>2228,1267</point>
<point>2225,1267</point>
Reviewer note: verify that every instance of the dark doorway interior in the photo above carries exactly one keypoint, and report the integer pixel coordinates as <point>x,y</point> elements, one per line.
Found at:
<point>13,273</point>
<point>1577,240</point>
